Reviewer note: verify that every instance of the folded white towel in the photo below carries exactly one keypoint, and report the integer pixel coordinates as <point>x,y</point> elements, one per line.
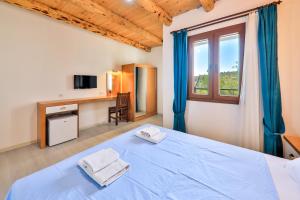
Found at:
<point>150,131</point>
<point>109,174</point>
<point>155,139</point>
<point>99,160</point>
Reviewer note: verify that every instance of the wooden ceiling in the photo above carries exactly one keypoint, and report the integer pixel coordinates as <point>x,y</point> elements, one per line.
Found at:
<point>138,23</point>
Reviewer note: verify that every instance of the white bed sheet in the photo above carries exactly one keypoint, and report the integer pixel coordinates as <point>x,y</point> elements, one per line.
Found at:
<point>286,187</point>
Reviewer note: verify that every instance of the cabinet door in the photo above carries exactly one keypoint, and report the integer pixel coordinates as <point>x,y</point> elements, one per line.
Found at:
<point>62,129</point>
<point>289,152</point>
<point>128,86</point>
<point>151,91</point>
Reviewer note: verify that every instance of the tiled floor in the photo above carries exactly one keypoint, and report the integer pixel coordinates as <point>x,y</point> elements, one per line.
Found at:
<point>24,161</point>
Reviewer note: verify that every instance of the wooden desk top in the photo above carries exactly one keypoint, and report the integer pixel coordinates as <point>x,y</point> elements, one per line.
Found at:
<point>76,101</point>
<point>294,141</point>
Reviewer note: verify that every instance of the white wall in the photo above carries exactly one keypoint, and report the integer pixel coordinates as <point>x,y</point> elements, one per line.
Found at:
<point>220,121</point>
<point>38,58</point>
<point>289,63</point>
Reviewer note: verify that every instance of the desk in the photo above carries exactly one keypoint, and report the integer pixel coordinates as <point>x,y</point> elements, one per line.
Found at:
<point>41,112</point>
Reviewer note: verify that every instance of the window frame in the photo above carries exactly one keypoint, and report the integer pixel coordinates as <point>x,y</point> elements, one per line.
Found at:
<point>213,45</point>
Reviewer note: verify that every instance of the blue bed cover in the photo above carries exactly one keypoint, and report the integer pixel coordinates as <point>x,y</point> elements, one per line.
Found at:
<point>181,167</point>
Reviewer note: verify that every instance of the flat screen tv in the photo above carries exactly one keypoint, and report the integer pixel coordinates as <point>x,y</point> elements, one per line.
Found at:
<point>85,82</point>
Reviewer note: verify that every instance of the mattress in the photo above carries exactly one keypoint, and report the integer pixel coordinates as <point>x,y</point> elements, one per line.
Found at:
<point>180,167</point>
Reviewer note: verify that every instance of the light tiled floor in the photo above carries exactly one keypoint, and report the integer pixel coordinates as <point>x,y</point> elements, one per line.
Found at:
<point>21,162</point>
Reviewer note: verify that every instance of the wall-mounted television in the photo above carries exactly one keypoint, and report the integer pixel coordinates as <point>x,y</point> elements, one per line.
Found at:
<point>85,82</point>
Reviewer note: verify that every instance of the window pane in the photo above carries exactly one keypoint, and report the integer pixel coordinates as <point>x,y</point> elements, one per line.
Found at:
<point>201,67</point>
<point>229,69</point>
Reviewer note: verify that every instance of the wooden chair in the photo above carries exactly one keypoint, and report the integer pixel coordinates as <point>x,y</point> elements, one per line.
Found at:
<point>121,110</point>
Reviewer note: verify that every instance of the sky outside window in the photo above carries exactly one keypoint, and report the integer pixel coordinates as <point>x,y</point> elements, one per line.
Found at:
<point>201,62</point>
<point>229,53</point>
<point>229,56</point>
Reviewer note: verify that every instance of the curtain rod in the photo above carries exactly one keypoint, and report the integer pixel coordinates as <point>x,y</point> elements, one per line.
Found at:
<point>224,19</point>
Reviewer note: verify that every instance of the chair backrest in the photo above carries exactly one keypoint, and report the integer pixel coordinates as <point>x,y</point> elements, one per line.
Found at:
<point>123,99</point>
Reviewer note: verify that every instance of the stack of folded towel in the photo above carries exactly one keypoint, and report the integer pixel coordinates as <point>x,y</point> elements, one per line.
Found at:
<point>151,134</point>
<point>104,166</point>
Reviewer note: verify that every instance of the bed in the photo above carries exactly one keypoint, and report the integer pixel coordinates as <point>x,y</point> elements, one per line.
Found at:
<point>182,166</point>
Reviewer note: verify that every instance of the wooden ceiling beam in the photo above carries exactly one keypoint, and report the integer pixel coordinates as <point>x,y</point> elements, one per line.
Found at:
<point>207,5</point>
<point>62,16</point>
<point>152,7</point>
<point>95,8</point>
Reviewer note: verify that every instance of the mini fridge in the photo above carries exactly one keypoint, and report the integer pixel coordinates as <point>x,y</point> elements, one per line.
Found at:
<point>62,129</point>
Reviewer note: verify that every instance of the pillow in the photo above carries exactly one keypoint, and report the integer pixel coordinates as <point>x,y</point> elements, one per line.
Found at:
<point>293,167</point>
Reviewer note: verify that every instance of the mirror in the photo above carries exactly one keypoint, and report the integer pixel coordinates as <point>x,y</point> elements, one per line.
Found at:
<point>140,91</point>
<point>113,82</point>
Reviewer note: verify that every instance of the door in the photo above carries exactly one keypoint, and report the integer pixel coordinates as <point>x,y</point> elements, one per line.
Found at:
<point>151,91</point>
<point>128,85</point>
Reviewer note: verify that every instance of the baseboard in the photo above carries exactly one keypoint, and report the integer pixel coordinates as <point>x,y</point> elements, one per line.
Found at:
<point>18,146</point>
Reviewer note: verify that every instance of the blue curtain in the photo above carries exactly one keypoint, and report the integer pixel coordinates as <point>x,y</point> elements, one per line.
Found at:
<point>180,79</point>
<point>273,121</point>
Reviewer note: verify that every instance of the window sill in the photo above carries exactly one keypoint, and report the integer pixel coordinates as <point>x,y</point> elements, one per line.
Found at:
<point>232,102</point>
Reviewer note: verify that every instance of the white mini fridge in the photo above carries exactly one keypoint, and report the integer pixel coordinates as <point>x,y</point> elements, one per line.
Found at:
<point>62,129</point>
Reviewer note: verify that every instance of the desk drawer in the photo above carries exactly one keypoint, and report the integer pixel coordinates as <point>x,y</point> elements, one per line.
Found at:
<point>64,108</point>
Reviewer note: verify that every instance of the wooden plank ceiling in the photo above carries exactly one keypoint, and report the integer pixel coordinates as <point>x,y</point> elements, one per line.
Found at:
<point>138,23</point>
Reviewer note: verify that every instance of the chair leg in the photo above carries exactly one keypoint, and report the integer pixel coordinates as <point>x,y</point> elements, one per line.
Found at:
<point>121,115</point>
<point>109,119</point>
<point>117,118</point>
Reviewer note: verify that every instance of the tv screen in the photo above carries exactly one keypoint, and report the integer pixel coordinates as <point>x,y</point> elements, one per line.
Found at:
<point>85,82</point>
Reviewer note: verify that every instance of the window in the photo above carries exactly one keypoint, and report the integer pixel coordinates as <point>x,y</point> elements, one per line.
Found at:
<point>216,65</point>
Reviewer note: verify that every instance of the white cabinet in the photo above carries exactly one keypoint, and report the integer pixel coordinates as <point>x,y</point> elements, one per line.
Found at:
<point>62,129</point>
<point>289,151</point>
